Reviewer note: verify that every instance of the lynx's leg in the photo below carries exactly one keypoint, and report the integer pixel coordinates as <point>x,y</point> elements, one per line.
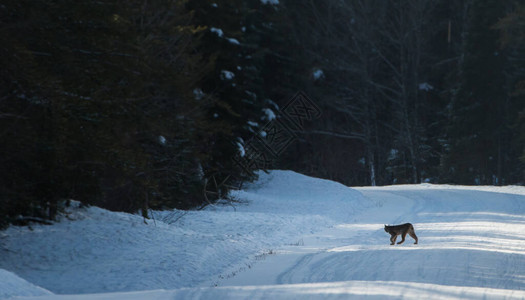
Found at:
<point>402,238</point>
<point>413,235</point>
<point>393,239</point>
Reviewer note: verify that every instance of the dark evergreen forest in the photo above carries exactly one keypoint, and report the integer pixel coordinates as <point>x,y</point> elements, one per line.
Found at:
<point>155,104</point>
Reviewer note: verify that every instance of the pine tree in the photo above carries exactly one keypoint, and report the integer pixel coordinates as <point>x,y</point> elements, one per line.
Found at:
<point>234,41</point>
<point>98,106</point>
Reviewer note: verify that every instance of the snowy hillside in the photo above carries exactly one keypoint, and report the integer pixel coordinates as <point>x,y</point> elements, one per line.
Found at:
<point>289,237</point>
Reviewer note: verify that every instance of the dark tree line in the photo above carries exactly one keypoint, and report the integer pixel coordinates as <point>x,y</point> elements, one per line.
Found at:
<point>413,90</point>
<point>132,105</point>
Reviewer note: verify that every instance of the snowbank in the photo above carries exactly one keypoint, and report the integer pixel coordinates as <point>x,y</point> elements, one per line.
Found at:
<point>292,194</point>
<point>12,285</point>
<point>96,251</point>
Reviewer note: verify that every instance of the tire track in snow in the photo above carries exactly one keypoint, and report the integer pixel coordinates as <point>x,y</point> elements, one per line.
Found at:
<point>288,275</point>
<point>459,233</point>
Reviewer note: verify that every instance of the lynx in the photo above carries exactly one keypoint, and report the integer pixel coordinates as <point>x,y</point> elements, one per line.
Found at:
<point>402,230</point>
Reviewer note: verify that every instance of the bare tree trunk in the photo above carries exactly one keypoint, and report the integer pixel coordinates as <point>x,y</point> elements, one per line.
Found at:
<point>371,166</point>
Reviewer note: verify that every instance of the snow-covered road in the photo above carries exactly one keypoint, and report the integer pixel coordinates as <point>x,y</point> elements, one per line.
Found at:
<point>466,239</point>
<point>321,240</point>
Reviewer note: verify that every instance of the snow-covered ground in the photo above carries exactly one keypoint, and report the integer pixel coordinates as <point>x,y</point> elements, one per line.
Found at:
<point>289,237</point>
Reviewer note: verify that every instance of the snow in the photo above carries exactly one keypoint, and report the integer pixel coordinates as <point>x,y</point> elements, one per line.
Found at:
<point>394,153</point>
<point>240,147</point>
<point>272,103</point>
<point>318,74</point>
<point>10,285</point>
<point>253,124</point>
<point>249,93</point>
<point>272,2</point>
<point>198,93</point>
<point>218,31</point>
<point>425,86</point>
<point>268,114</point>
<point>287,236</point>
<point>220,34</point>
<point>326,290</point>
<point>227,75</point>
<point>233,41</point>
